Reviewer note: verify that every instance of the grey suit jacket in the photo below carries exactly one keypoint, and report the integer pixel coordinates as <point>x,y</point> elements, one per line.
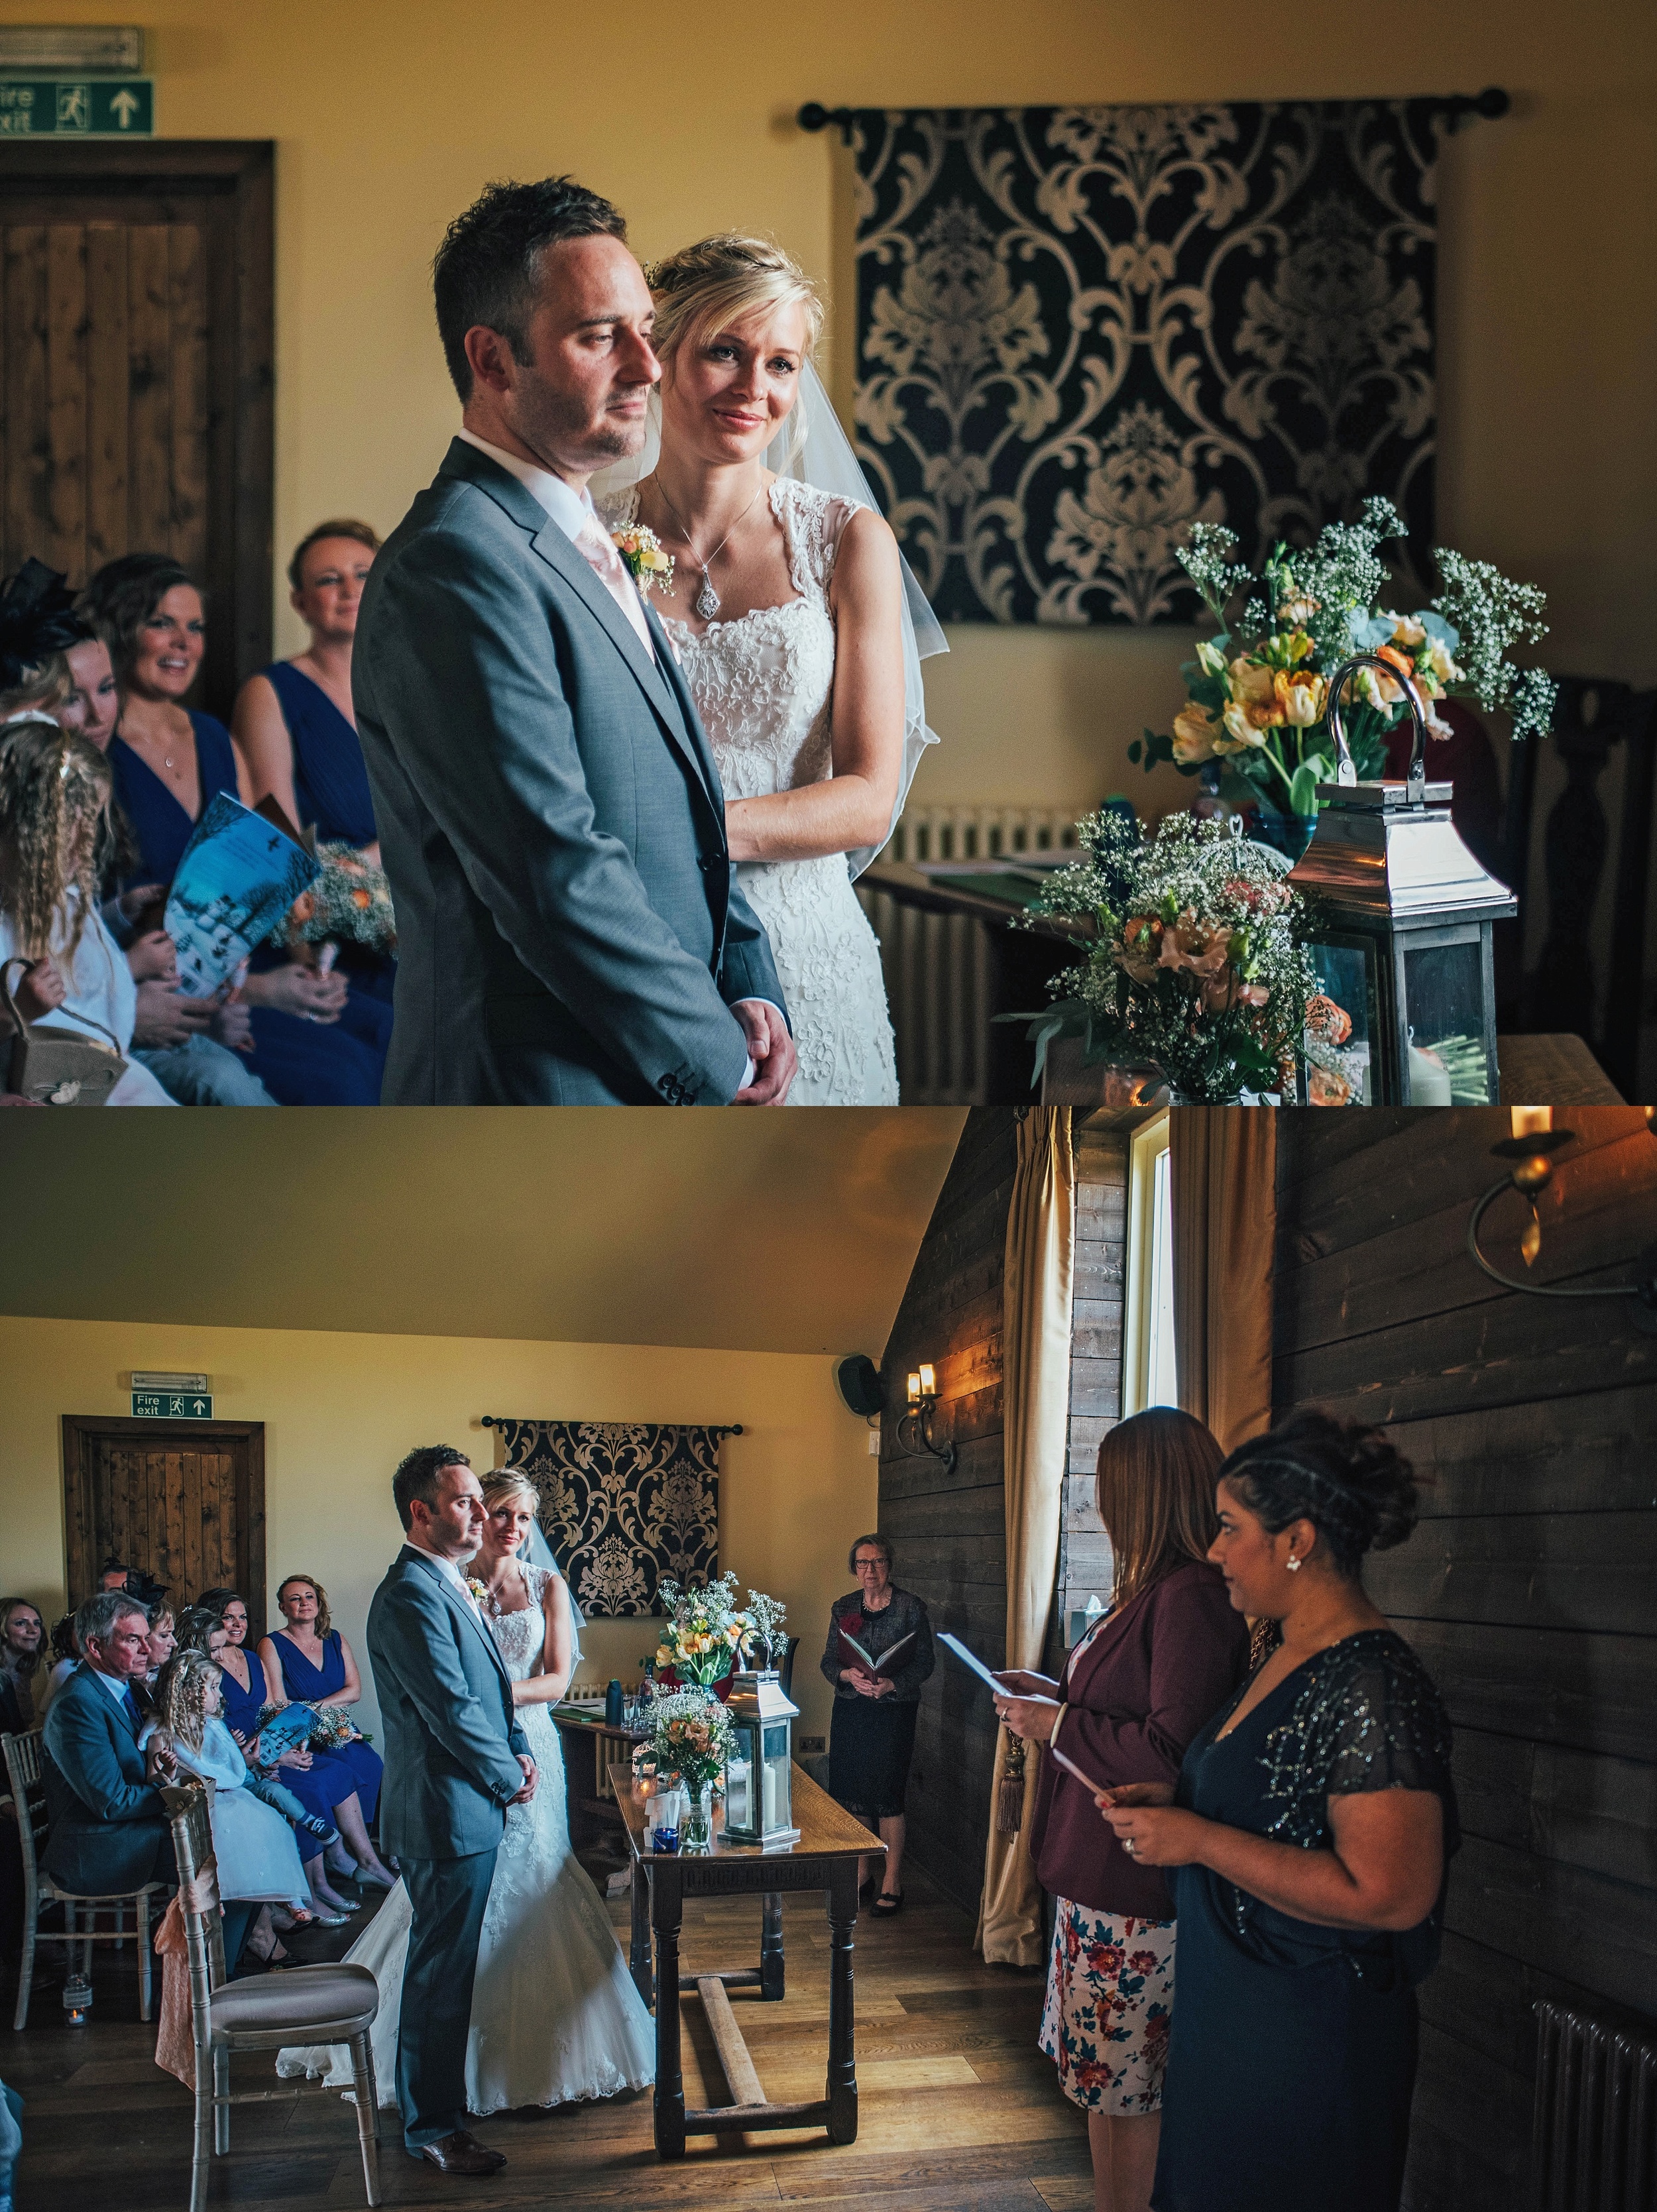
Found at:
<point>570,928</point>
<point>446,1704</point>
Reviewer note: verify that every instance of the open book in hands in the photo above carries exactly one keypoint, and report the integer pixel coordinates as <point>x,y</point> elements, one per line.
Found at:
<point>887,1662</point>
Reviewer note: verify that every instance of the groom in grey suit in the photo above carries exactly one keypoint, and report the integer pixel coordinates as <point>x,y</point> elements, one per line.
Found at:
<point>571,931</point>
<point>456,1758</point>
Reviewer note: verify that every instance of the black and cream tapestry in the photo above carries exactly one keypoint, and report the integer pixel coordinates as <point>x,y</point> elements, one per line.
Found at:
<point>625,1506</point>
<point>1079,330</point>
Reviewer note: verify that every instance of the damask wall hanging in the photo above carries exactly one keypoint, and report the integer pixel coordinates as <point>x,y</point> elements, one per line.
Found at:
<point>624,1504</point>
<point>1079,330</point>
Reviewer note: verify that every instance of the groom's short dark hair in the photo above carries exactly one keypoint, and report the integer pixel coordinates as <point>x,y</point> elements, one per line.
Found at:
<point>486,266</point>
<point>417,1478</point>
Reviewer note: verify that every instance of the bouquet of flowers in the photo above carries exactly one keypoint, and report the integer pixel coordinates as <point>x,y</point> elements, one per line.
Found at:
<point>350,898</point>
<point>706,1634</point>
<point>319,1728</point>
<point>335,1726</point>
<point>1259,693</point>
<point>1194,962</point>
<point>690,1736</point>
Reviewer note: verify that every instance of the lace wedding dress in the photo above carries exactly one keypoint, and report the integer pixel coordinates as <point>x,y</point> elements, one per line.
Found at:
<point>555,2016</point>
<point>763,684</point>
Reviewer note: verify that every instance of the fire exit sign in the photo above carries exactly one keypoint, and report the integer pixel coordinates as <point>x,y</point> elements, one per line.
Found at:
<point>81,107</point>
<point>171,1406</point>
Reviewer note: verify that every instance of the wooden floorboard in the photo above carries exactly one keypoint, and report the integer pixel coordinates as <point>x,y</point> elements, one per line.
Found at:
<point>958,2110</point>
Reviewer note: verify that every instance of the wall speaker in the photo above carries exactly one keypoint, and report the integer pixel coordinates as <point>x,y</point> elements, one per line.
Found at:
<point>858,1381</point>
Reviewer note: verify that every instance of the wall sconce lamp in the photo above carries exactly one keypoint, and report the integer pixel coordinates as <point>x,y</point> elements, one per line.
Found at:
<point>915,1424</point>
<point>1530,1148</point>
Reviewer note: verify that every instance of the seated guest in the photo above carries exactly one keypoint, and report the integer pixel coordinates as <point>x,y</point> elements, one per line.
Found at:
<point>314,1044</point>
<point>1307,1840</point>
<point>163,1643</point>
<point>56,834</point>
<point>64,1659</point>
<point>310,1659</point>
<point>22,1639</point>
<point>94,707</point>
<point>38,623</point>
<point>1135,1690</point>
<point>872,1731</point>
<point>109,1831</point>
<point>254,1846</point>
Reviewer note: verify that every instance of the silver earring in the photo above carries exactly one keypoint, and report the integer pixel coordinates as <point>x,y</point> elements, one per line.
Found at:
<point>1292,1564</point>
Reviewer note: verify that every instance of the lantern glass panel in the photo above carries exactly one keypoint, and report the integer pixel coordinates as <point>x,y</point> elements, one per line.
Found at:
<point>739,1780</point>
<point>1444,1008</point>
<point>1345,971</point>
<point>776,1794</point>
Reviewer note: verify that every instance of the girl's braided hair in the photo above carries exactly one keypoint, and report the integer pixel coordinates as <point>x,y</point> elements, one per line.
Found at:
<point>1352,1483</point>
<point>181,1691</point>
<point>57,833</point>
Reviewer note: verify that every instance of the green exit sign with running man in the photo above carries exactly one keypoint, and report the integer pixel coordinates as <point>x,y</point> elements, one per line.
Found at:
<point>84,107</point>
<point>171,1406</point>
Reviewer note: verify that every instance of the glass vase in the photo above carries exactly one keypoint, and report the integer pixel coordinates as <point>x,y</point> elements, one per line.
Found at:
<point>698,1820</point>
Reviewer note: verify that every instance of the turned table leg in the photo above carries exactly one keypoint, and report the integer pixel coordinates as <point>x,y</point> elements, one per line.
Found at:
<point>842,2071</point>
<point>638,1947</point>
<point>770,1947</point>
<point>667,1915</point>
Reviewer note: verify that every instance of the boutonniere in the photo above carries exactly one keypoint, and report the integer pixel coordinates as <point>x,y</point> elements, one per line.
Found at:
<point>479,1592</point>
<point>650,568</point>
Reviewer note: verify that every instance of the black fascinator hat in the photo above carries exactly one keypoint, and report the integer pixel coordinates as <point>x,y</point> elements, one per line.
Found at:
<point>37,619</point>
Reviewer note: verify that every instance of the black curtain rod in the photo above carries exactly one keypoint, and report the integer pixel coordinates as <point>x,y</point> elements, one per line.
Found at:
<point>1490,105</point>
<point>719,1428</point>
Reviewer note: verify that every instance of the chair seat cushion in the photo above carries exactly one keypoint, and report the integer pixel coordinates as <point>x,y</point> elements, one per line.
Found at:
<point>302,1997</point>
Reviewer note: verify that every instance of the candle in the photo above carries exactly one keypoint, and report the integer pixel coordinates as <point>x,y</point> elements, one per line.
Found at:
<point>768,1794</point>
<point>1532,1120</point>
<point>1430,1079</point>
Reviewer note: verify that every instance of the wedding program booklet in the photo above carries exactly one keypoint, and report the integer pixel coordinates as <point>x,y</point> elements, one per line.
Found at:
<point>239,876</point>
<point>883,1665</point>
<point>287,1730</point>
<point>1098,1789</point>
<point>971,1659</point>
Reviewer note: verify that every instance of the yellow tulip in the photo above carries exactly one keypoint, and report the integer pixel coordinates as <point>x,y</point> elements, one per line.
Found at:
<point>1241,727</point>
<point>1301,696</point>
<point>1194,734</point>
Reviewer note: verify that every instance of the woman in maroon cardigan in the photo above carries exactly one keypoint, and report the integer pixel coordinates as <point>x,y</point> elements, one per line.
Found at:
<point>1135,1690</point>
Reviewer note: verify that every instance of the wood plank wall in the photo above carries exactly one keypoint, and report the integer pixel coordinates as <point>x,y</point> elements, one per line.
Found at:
<point>1530,1586</point>
<point>949,1533</point>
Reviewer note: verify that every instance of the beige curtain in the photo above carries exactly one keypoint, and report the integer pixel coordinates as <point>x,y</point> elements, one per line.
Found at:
<point>1223,1170</point>
<point>1036,1405</point>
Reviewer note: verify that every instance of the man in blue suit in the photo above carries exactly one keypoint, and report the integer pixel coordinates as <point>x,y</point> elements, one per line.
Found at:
<point>570,928</point>
<point>456,1758</point>
<point>109,1828</point>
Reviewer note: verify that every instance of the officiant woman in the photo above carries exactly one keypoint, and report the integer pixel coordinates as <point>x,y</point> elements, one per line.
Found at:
<point>872,1735</point>
<point>1134,1691</point>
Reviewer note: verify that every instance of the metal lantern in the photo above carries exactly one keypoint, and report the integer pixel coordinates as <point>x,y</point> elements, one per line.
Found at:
<point>759,1793</point>
<point>1402,914</point>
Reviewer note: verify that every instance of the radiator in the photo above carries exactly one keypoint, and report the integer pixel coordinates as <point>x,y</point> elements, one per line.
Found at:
<point>1593,2137</point>
<point>937,966</point>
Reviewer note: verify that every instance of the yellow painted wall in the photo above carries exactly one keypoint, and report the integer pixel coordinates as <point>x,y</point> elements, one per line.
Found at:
<point>389,114</point>
<point>797,1486</point>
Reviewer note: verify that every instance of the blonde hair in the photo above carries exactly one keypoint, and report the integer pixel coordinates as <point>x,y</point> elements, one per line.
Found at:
<point>1156,1481</point>
<point>509,1482</point>
<point>181,1695</point>
<point>43,689</point>
<point>52,785</point>
<point>709,287</point>
<point>324,1618</point>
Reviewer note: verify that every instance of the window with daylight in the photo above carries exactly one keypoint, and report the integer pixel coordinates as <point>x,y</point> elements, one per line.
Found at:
<point>1148,1368</point>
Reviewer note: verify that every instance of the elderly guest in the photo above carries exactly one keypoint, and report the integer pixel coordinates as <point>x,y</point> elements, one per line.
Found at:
<point>109,1828</point>
<point>872,1734</point>
<point>22,1637</point>
<point>309,1660</point>
<point>1308,1838</point>
<point>1134,1691</point>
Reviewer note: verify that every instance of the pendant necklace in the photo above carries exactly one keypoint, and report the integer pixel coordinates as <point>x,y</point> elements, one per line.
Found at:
<point>706,601</point>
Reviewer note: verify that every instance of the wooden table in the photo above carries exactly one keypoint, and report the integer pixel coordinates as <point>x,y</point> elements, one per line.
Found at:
<point>1535,1071</point>
<point>826,1858</point>
<point>591,1747</point>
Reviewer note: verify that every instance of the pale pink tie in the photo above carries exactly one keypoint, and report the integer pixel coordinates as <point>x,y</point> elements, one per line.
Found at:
<point>594,544</point>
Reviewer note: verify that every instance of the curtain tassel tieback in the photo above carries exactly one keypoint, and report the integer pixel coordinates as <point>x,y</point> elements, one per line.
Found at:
<point>1009,1797</point>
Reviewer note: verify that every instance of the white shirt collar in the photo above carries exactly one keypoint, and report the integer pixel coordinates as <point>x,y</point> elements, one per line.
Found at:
<point>115,1683</point>
<point>567,506</point>
<point>444,1566</point>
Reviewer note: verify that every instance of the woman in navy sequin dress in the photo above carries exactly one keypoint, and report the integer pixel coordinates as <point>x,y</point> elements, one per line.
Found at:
<point>1307,1842</point>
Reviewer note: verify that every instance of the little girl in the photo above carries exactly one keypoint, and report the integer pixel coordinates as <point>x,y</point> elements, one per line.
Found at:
<point>56,837</point>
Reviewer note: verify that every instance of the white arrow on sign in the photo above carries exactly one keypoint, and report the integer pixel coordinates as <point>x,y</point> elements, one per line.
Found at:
<point>200,1405</point>
<point>125,105</point>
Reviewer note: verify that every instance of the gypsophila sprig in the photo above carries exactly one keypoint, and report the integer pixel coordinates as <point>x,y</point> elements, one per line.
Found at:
<point>1197,965</point>
<point>705,1635</point>
<point>689,1734</point>
<point>1259,694</point>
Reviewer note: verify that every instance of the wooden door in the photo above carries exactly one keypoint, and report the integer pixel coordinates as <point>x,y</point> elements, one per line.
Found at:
<point>185,1501</point>
<point>135,371</point>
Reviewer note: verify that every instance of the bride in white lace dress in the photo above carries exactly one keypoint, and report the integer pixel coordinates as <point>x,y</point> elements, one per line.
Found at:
<point>555,2016</point>
<point>786,614</point>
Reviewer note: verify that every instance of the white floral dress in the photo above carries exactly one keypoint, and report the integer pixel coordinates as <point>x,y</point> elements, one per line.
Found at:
<point>764,686</point>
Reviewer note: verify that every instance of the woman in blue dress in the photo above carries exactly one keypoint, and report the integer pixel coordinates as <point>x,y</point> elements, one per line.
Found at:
<point>311,1661</point>
<point>316,1043</point>
<point>324,1786</point>
<point>295,727</point>
<point>1307,1842</point>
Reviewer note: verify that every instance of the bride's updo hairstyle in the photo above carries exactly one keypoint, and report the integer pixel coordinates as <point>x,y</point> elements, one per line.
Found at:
<point>724,281</point>
<point>1355,1487</point>
<point>509,1482</point>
